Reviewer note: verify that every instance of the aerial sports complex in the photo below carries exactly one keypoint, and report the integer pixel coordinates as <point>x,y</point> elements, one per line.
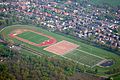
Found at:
<point>54,45</point>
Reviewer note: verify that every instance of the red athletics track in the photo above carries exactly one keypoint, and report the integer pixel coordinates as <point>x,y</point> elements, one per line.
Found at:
<point>45,43</point>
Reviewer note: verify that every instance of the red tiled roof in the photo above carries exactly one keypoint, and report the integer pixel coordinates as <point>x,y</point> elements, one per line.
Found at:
<point>24,7</point>
<point>29,13</point>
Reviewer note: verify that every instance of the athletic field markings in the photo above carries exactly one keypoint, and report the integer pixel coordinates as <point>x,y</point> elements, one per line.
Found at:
<point>74,61</point>
<point>68,53</point>
<point>102,59</point>
<point>32,37</point>
<point>78,61</point>
<point>90,54</point>
<point>24,34</point>
<point>99,63</point>
<point>3,29</point>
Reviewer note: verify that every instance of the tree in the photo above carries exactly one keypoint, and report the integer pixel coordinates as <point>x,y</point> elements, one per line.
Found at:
<point>2,22</point>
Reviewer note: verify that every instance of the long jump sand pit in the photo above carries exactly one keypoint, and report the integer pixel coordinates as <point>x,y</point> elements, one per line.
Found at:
<point>62,47</point>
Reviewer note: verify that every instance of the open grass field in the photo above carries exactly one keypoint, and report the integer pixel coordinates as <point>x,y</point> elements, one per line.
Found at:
<point>116,77</point>
<point>119,30</point>
<point>84,57</point>
<point>113,3</point>
<point>33,37</point>
<point>73,50</point>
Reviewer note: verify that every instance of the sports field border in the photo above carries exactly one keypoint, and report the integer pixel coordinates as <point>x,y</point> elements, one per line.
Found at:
<point>102,59</point>
<point>51,40</point>
<point>85,47</point>
<point>76,60</point>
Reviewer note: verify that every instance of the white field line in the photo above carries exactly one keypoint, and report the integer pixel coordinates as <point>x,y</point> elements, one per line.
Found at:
<point>24,34</point>
<point>81,62</point>
<point>74,61</point>
<point>71,60</point>
<point>27,34</point>
<point>29,37</point>
<point>93,55</point>
<point>32,37</point>
<point>90,54</point>
<point>3,29</point>
<point>98,63</point>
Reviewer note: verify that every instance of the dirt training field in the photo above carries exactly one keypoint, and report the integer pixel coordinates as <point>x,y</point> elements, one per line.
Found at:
<point>62,47</point>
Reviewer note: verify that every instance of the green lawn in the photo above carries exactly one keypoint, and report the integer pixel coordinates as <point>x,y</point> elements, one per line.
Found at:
<point>33,37</point>
<point>84,57</point>
<point>116,77</point>
<point>113,3</point>
<point>119,30</point>
<point>84,47</point>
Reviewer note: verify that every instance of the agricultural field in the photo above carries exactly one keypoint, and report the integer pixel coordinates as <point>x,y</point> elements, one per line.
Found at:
<point>53,45</point>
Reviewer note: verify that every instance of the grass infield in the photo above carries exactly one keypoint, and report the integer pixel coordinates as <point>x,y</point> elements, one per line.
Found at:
<point>33,37</point>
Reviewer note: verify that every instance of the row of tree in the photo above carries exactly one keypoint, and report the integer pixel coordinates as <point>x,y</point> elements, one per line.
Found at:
<point>24,66</point>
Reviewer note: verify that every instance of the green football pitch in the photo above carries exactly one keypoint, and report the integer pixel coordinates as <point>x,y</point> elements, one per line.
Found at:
<point>84,58</point>
<point>33,37</point>
<point>84,54</point>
